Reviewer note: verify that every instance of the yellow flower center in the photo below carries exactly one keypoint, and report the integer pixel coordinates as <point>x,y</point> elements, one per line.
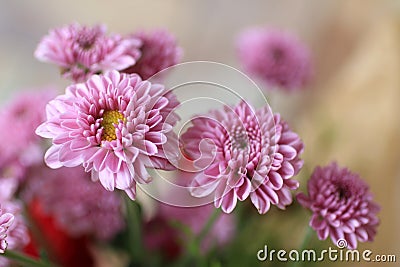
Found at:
<point>110,117</point>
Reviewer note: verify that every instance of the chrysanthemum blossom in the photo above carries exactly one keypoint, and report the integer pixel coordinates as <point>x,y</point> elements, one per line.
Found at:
<point>341,204</point>
<point>6,220</point>
<point>159,50</point>
<point>115,125</point>
<point>18,121</point>
<point>275,57</point>
<point>81,51</point>
<point>79,206</point>
<point>243,153</point>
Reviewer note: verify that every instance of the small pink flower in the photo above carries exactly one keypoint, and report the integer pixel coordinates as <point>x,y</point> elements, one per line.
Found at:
<point>18,121</point>
<point>115,125</point>
<point>6,220</point>
<point>81,51</point>
<point>243,153</point>
<point>79,206</point>
<point>275,57</point>
<point>159,51</point>
<point>342,205</point>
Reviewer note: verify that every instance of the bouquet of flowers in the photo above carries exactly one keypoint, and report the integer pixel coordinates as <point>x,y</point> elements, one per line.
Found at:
<point>112,171</point>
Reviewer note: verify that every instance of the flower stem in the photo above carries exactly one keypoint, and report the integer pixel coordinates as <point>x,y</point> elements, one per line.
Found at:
<point>207,227</point>
<point>25,259</point>
<point>306,241</point>
<point>134,220</point>
<point>192,254</point>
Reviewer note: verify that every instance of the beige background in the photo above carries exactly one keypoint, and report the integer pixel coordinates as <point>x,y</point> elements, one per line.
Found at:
<point>350,113</point>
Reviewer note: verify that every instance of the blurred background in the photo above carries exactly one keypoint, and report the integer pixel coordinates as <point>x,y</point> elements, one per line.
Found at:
<point>349,113</point>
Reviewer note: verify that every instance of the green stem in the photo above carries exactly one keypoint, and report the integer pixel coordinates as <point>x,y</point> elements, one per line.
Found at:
<point>306,241</point>
<point>207,227</point>
<point>134,219</point>
<point>192,254</point>
<point>25,259</point>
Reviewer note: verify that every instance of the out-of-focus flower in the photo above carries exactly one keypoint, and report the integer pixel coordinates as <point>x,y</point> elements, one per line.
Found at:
<point>243,153</point>
<point>342,205</point>
<point>21,147</point>
<point>17,233</point>
<point>79,206</point>
<point>6,220</point>
<point>277,58</point>
<point>160,237</point>
<point>115,125</point>
<point>64,249</point>
<point>81,51</point>
<point>159,51</point>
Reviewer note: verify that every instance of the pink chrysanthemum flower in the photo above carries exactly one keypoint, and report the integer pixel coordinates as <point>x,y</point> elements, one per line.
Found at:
<point>18,121</point>
<point>79,206</point>
<point>81,51</point>
<point>6,220</point>
<point>342,206</point>
<point>17,233</point>
<point>275,57</point>
<point>115,125</point>
<point>159,51</point>
<point>244,153</point>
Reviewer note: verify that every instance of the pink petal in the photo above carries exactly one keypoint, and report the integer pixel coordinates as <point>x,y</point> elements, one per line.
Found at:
<point>107,179</point>
<point>150,148</point>
<point>51,157</point>
<point>113,163</point>
<point>323,233</point>
<point>43,131</point>
<point>131,192</point>
<point>276,180</point>
<point>124,179</point>
<point>229,201</point>
<point>287,151</point>
<point>362,234</point>
<point>262,204</point>
<point>141,174</point>
<point>244,190</point>
<point>79,144</point>
<point>317,223</point>
<point>68,157</point>
<point>156,138</point>
<point>202,185</point>
<point>351,241</point>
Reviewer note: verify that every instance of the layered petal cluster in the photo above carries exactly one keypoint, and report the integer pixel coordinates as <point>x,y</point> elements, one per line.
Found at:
<point>159,51</point>
<point>79,206</point>
<point>242,153</point>
<point>81,51</point>
<point>115,125</point>
<point>341,204</point>
<point>277,58</point>
<point>18,121</point>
